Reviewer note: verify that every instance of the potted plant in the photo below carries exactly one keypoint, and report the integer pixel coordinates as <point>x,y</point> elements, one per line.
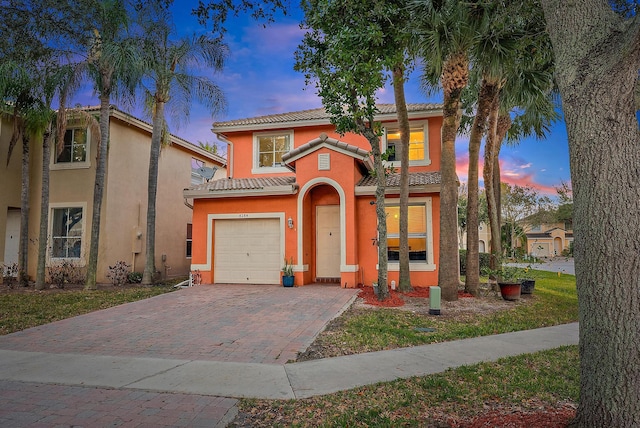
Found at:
<point>508,279</point>
<point>509,282</point>
<point>528,281</point>
<point>287,273</point>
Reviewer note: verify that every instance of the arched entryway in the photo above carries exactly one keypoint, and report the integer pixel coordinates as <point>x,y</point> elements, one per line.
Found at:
<point>557,246</point>
<point>323,239</point>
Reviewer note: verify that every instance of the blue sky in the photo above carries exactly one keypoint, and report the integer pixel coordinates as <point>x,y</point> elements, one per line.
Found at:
<point>259,79</point>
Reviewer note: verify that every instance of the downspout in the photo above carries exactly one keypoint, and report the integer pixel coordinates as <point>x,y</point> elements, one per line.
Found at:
<point>188,204</point>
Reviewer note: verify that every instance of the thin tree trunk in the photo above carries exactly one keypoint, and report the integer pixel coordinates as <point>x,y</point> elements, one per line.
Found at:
<point>486,96</point>
<point>455,77</point>
<point>492,191</point>
<point>101,169</point>
<point>152,189</point>
<point>405,132</point>
<point>598,57</point>
<point>44,211</point>
<point>381,181</point>
<point>23,255</point>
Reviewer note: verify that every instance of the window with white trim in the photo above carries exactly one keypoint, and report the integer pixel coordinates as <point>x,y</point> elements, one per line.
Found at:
<point>417,232</point>
<point>268,149</point>
<point>74,147</point>
<point>418,144</point>
<point>66,233</point>
<point>189,239</point>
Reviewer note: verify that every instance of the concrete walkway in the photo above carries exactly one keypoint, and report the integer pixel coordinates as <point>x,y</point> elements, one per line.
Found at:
<point>40,385</point>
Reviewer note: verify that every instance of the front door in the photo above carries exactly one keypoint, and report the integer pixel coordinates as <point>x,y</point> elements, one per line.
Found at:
<point>12,237</point>
<point>328,241</point>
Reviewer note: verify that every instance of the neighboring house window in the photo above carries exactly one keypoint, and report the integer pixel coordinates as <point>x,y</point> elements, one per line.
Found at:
<point>537,228</point>
<point>417,233</point>
<point>189,237</point>
<point>74,149</point>
<point>268,150</point>
<point>66,233</point>
<point>418,144</point>
<point>196,178</point>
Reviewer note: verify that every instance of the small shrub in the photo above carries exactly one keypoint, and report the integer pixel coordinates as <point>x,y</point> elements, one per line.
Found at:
<point>118,273</point>
<point>135,277</point>
<point>64,272</point>
<point>485,259</point>
<point>9,273</point>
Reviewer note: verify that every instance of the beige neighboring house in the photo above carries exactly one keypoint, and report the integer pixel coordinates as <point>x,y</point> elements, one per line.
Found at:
<point>484,238</point>
<point>548,240</point>
<point>123,221</point>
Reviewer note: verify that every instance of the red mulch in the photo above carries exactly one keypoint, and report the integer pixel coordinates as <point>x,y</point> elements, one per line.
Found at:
<point>395,297</point>
<point>545,418</point>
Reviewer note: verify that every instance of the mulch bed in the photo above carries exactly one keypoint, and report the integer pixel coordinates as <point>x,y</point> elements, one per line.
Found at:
<point>395,297</point>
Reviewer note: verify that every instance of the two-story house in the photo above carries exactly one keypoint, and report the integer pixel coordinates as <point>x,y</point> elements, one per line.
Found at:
<point>297,190</point>
<point>124,207</point>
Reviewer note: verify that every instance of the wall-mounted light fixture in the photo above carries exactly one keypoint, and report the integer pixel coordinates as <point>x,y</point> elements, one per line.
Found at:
<point>290,223</point>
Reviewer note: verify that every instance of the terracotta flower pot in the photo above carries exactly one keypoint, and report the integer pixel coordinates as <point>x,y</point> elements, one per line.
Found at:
<point>510,290</point>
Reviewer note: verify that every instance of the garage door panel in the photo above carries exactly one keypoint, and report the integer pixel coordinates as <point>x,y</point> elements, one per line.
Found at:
<point>247,251</point>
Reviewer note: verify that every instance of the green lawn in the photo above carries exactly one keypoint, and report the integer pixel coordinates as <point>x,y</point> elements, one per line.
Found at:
<point>19,311</point>
<point>554,302</point>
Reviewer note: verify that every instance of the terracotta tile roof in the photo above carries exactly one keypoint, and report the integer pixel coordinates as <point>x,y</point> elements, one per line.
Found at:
<point>324,139</point>
<point>393,180</point>
<point>235,184</point>
<point>318,114</point>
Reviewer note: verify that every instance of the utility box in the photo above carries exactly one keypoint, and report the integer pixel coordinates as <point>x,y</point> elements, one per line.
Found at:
<point>434,300</point>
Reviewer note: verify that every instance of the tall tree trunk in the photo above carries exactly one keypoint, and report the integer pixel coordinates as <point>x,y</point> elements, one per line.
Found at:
<point>152,189</point>
<point>454,78</point>
<point>405,133</point>
<point>44,211</point>
<point>492,183</point>
<point>598,57</point>
<point>381,181</point>
<point>486,96</point>
<point>23,254</point>
<point>98,190</point>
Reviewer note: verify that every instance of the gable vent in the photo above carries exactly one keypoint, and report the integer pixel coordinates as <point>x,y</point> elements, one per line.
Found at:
<point>324,162</point>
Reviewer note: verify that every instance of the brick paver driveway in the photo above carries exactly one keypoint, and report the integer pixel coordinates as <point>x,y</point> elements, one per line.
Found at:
<point>230,323</point>
<point>241,323</point>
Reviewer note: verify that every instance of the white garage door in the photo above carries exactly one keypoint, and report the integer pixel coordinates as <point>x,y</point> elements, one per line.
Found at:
<point>247,251</point>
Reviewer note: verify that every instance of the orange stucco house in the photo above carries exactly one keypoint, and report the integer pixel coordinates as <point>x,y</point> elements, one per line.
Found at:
<point>296,189</point>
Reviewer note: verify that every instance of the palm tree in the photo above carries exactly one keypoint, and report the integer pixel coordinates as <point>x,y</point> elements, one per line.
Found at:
<point>18,86</point>
<point>528,94</point>
<point>112,62</point>
<point>445,32</point>
<point>168,78</point>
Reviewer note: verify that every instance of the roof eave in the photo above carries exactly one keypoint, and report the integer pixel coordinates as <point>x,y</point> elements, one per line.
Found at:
<point>420,188</point>
<point>216,194</point>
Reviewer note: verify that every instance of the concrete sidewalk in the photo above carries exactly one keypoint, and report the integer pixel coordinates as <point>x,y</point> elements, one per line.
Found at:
<point>274,381</point>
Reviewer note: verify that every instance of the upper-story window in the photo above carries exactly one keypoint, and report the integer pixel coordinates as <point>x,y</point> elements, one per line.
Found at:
<point>418,144</point>
<point>268,149</point>
<point>74,150</point>
<point>75,146</point>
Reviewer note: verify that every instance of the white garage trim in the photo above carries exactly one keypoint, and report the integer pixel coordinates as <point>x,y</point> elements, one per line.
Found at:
<point>211,217</point>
